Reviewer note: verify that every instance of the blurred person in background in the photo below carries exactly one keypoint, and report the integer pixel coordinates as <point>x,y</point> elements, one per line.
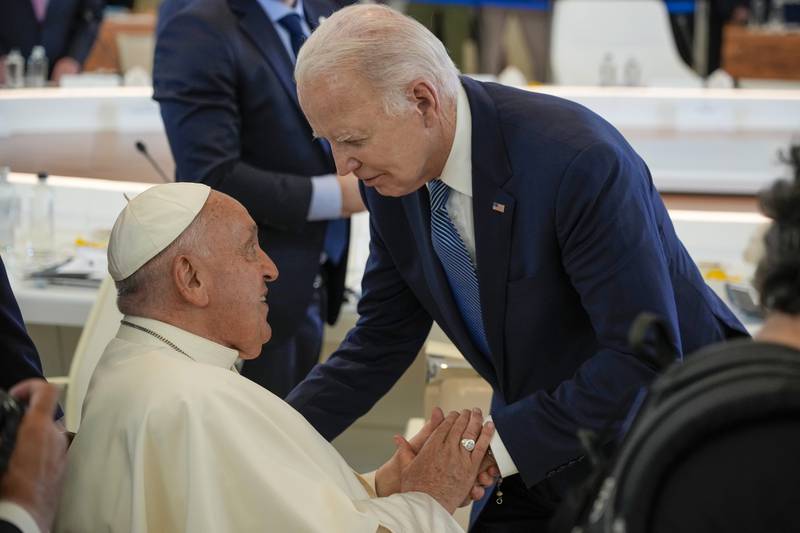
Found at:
<point>721,12</point>
<point>223,79</point>
<point>778,275</point>
<point>535,18</point>
<point>66,28</point>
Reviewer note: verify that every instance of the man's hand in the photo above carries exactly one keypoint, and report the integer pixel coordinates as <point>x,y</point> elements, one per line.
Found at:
<point>387,477</point>
<point>36,469</point>
<point>443,468</point>
<point>65,65</point>
<point>351,197</point>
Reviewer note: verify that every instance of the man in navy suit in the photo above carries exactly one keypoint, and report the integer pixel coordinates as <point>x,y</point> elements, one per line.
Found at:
<point>523,224</point>
<point>66,28</point>
<point>223,78</point>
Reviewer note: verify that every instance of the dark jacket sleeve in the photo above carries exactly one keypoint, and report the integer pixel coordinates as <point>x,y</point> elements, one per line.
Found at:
<point>390,332</point>
<point>195,83</point>
<point>20,360</point>
<point>85,25</point>
<point>8,527</point>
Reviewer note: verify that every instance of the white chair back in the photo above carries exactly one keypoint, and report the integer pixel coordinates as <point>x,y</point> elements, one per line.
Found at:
<point>631,33</point>
<point>100,328</point>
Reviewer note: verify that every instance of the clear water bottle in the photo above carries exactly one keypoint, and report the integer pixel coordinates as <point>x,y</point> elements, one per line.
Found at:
<point>608,71</point>
<point>15,69</point>
<point>37,68</point>
<point>758,12</point>
<point>632,73</point>
<point>9,212</point>
<point>40,221</point>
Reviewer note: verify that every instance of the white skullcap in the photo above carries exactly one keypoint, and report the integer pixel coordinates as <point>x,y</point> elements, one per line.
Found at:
<point>151,222</point>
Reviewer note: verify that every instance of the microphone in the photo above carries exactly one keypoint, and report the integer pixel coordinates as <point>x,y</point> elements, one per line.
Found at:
<point>142,149</point>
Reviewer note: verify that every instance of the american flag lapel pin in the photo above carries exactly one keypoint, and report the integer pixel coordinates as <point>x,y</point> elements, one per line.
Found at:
<point>497,206</point>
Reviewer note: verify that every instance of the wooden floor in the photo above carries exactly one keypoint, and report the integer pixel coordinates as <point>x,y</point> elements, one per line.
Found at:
<point>113,156</point>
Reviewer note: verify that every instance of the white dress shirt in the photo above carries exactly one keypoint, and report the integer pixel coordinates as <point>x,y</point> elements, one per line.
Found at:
<point>457,174</point>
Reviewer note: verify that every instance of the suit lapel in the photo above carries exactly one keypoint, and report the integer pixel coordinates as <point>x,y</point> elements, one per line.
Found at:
<point>313,14</point>
<point>417,207</point>
<point>493,210</point>
<point>257,25</point>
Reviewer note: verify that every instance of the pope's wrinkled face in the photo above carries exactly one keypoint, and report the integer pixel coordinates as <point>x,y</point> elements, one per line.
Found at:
<point>238,273</point>
<point>394,154</point>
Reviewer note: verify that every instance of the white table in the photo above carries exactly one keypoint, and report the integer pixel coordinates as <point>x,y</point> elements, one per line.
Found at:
<point>694,140</point>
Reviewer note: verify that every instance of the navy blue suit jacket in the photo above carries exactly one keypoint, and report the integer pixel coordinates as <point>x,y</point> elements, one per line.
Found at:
<point>225,86</point>
<point>69,28</point>
<point>18,356</point>
<point>581,247</point>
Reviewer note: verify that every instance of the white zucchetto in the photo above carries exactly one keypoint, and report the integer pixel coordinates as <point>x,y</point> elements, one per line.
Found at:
<point>151,222</point>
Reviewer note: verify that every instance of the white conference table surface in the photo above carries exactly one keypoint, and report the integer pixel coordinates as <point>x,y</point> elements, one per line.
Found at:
<point>86,204</point>
<point>693,140</point>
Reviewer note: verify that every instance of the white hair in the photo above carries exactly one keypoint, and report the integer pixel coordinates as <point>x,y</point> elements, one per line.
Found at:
<point>385,47</point>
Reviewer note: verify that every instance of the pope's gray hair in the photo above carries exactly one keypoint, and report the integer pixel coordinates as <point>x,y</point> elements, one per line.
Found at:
<point>385,47</point>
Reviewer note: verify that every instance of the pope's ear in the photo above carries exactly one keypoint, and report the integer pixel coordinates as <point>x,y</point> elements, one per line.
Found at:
<point>190,281</point>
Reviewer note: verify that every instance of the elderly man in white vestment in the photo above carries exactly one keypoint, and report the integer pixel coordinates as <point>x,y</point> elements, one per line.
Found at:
<point>173,439</point>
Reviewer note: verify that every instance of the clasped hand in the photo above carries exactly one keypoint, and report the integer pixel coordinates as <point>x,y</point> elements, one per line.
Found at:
<point>435,462</point>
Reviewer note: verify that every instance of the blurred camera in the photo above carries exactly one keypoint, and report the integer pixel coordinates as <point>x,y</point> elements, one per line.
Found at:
<point>11,412</point>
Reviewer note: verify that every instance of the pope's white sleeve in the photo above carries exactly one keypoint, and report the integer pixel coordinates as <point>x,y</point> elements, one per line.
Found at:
<point>410,511</point>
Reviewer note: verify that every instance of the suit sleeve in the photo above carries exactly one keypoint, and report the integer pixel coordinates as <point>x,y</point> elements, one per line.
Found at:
<point>390,331</point>
<point>85,25</point>
<point>611,250</point>
<point>20,360</point>
<point>195,83</point>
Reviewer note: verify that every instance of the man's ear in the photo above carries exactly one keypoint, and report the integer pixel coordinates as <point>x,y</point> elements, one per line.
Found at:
<point>426,101</point>
<point>191,282</point>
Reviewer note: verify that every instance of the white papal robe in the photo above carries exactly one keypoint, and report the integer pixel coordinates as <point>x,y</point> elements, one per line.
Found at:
<point>173,442</point>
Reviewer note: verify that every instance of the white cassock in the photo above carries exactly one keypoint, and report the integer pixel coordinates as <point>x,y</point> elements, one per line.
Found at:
<point>173,442</point>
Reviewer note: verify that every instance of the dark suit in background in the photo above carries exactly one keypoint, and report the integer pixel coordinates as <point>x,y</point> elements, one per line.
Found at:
<point>7,527</point>
<point>224,82</point>
<point>572,243</point>
<point>68,30</point>
<point>18,356</point>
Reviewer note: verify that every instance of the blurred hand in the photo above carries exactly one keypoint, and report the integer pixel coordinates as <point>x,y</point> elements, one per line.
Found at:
<point>36,469</point>
<point>443,468</point>
<point>65,65</point>
<point>740,15</point>
<point>351,197</point>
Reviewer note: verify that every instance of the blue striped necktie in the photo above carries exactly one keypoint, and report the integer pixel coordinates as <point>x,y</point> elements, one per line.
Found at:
<point>457,264</point>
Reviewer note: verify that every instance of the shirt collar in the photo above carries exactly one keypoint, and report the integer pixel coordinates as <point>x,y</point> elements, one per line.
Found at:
<point>457,172</point>
<point>197,348</point>
<point>276,10</point>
